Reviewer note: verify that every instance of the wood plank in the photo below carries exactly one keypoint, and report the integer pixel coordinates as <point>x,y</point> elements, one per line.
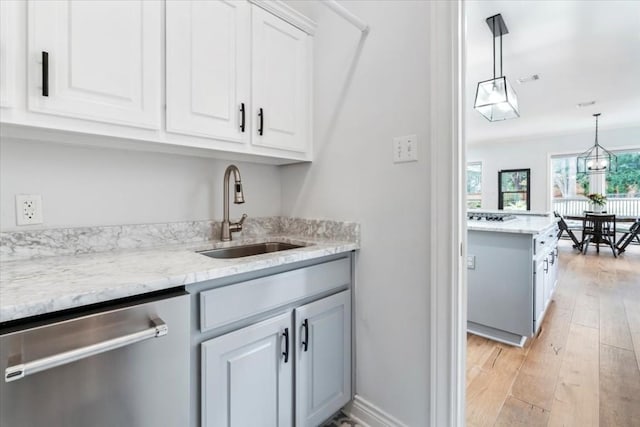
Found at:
<point>614,329</point>
<point>619,387</point>
<point>536,381</point>
<point>632,310</point>
<point>587,310</point>
<point>478,350</point>
<point>489,389</point>
<point>515,412</point>
<point>576,397</point>
<point>586,285</point>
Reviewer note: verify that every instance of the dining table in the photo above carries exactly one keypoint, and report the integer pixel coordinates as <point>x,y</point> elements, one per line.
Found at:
<point>597,239</point>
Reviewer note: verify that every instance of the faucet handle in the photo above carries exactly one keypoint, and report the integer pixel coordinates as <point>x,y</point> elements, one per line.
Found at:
<point>237,226</point>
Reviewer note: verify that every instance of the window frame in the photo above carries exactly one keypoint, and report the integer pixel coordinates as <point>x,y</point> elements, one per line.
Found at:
<point>501,193</point>
<point>473,163</point>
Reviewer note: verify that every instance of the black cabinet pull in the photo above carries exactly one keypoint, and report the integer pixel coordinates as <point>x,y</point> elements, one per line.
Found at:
<point>285,335</point>
<point>45,73</point>
<point>261,120</point>
<point>305,341</point>
<point>242,117</point>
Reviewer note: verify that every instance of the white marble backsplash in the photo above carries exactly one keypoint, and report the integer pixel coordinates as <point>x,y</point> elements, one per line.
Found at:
<point>20,245</point>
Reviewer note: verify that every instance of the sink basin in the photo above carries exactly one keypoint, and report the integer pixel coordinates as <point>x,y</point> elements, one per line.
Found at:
<point>248,250</point>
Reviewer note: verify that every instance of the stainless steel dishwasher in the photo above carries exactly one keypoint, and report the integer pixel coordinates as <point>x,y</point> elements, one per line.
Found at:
<point>126,365</point>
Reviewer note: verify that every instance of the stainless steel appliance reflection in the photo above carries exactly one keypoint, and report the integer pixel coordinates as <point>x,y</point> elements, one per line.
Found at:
<point>123,366</point>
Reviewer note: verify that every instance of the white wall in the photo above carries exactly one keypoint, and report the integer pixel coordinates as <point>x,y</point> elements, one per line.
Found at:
<point>364,96</point>
<point>94,186</point>
<point>535,154</point>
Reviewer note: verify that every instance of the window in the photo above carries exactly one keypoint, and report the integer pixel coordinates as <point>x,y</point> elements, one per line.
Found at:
<point>514,189</point>
<point>474,185</point>
<point>621,187</point>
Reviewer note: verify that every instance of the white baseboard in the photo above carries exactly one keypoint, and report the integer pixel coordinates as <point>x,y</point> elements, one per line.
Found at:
<point>369,415</point>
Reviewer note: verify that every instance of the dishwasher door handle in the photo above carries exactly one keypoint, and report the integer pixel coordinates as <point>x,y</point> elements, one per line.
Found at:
<point>158,329</point>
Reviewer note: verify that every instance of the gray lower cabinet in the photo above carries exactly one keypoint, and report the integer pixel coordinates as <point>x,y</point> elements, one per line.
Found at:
<point>273,349</point>
<point>323,358</point>
<point>247,377</point>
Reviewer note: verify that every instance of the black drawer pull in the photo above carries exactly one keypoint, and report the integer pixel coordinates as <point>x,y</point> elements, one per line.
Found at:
<point>45,73</point>
<point>261,121</point>
<point>285,335</point>
<point>242,117</point>
<point>305,341</point>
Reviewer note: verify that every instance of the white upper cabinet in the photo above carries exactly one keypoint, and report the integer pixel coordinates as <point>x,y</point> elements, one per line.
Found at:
<point>208,69</point>
<point>104,60</point>
<point>177,76</point>
<point>281,81</point>
<point>7,52</point>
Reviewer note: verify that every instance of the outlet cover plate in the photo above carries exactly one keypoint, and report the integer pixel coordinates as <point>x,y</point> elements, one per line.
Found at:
<point>28,209</point>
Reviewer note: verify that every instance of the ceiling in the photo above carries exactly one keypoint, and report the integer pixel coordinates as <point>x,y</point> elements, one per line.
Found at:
<point>582,51</point>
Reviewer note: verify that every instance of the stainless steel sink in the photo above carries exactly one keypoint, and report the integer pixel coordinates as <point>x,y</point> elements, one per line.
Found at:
<point>248,250</point>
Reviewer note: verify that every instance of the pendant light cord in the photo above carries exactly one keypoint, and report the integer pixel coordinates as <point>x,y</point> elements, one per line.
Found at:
<point>493,21</point>
<point>501,73</point>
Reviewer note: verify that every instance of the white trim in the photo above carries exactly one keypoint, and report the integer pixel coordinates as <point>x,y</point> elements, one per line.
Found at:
<point>448,304</point>
<point>347,15</point>
<point>287,13</point>
<point>369,415</point>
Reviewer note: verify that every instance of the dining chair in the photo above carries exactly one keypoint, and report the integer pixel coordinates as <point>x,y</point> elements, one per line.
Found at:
<point>564,228</point>
<point>628,237</point>
<point>599,229</point>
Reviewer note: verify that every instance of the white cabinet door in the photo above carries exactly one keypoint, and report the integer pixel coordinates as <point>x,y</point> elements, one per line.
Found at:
<point>538,293</point>
<point>323,370</point>
<point>247,379</point>
<point>280,83</point>
<point>208,68</point>
<point>8,46</point>
<point>104,60</point>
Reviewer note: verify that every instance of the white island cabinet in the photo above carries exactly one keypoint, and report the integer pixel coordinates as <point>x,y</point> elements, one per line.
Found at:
<point>512,273</point>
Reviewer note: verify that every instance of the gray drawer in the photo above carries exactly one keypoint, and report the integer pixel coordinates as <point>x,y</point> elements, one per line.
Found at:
<point>231,303</point>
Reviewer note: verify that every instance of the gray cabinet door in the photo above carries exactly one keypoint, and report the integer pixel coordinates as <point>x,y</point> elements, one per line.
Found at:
<point>247,379</point>
<point>323,370</point>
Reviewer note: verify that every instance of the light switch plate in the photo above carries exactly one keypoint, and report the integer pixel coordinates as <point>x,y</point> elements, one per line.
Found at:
<point>405,149</point>
<point>28,209</point>
<point>471,262</point>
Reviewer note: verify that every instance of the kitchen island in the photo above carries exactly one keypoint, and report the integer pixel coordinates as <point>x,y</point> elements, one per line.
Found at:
<point>512,272</point>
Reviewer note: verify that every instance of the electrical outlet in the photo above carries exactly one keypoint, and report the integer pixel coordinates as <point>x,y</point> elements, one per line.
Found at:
<point>471,262</point>
<point>405,149</point>
<point>28,209</point>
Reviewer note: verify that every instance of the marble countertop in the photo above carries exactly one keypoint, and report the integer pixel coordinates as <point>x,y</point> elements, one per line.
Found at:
<point>522,224</point>
<point>44,285</point>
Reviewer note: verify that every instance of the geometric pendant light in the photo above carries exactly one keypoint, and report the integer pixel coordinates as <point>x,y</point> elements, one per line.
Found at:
<point>597,159</point>
<point>495,98</point>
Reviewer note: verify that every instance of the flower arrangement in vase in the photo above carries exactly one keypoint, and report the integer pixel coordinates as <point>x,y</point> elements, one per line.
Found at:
<point>598,201</point>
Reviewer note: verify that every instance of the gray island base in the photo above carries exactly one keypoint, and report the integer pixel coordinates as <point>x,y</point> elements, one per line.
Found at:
<point>512,273</point>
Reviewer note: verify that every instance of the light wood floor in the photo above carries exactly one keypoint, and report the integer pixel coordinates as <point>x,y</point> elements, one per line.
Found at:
<point>583,368</point>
